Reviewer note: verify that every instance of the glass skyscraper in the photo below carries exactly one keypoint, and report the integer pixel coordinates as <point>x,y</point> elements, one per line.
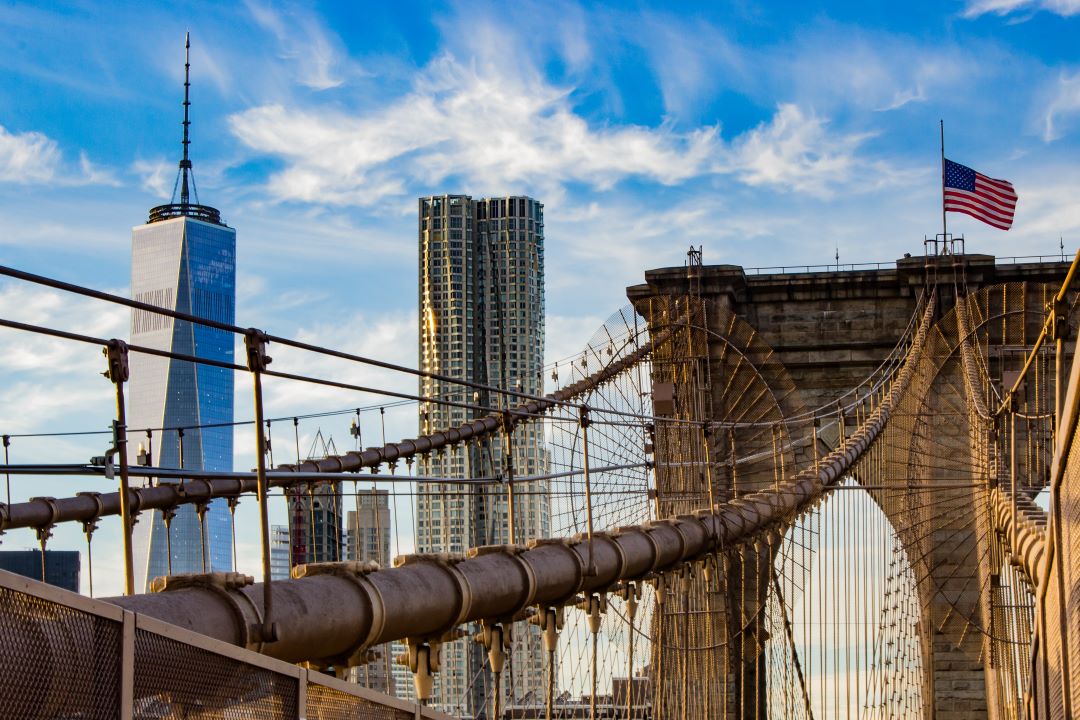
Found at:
<point>183,259</point>
<point>186,264</point>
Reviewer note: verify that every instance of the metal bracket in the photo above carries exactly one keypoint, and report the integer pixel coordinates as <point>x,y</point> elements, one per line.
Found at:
<point>226,585</point>
<point>255,342</point>
<point>341,569</point>
<point>595,605</point>
<point>447,562</point>
<point>1061,329</point>
<point>44,532</point>
<point>512,552</point>
<point>356,571</point>
<point>550,621</point>
<point>216,580</point>
<point>116,353</point>
<point>90,524</point>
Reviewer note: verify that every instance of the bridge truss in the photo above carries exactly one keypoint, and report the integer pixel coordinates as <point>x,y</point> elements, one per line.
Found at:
<point>717,547</point>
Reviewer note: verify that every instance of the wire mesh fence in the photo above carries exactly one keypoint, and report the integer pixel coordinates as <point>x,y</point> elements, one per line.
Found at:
<point>63,655</point>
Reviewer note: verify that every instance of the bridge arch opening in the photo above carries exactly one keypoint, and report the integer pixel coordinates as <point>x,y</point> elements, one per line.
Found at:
<point>843,617</point>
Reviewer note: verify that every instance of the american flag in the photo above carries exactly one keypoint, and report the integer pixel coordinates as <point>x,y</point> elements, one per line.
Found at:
<point>966,191</point>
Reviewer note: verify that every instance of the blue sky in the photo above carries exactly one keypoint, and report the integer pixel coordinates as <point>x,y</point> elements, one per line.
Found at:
<point>768,132</point>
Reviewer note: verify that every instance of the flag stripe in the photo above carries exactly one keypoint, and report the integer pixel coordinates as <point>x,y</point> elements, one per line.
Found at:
<point>976,211</point>
<point>989,203</point>
<point>975,204</point>
<point>980,216</point>
<point>991,200</point>
<point>1005,195</point>
<point>1003,185</point>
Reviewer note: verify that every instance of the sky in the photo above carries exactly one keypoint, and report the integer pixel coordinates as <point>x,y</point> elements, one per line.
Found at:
<point>768,133</point>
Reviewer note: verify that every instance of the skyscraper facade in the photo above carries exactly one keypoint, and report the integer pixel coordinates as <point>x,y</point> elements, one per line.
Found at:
<point>481,300</point>
<point>367,535</point>
<point>183,259</point>
<point>61,566</point>
<point>186,264</point>
<point>315,514</point>
<point>279,552</point>
<point>367,538</point>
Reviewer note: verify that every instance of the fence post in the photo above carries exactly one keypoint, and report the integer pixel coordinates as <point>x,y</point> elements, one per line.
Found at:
<point>116,352</point>
<point>257,360</point>
<point>127,666</point>
<point>301,694</point>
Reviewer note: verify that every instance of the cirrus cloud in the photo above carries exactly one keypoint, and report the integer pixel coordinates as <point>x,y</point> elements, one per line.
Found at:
<point>1065,8</point>
<point>498,130</point>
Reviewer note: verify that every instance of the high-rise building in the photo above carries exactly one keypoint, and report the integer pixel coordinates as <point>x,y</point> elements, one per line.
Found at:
<point>315,523</point>
<point>367,538</point>
<point>315,514</point>
<point>279,552</point>
<point>367,535</point>
<point>481,302</point>
<point>61,567</point>
<point>183,259</point>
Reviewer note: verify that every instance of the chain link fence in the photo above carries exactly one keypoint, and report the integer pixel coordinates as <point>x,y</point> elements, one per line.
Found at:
<point>66,656</point>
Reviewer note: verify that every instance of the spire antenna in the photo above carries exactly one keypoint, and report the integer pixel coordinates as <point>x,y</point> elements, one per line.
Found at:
<point>189,205</point>
<point>185,163</point>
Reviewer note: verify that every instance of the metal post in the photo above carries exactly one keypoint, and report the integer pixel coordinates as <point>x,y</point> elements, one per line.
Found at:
<point>684,586</point>
<point>257,360</point>
<point>1061,331</point>
<point>1012,471</point>
<point>706,434</point>
<point>590,569</point>
<point>180,448</point>
<point>116,352</point>
<point>7,475</point>
<point>631,596</point>
<point>840,422</point>
<point>127,666</point>
<point>508,471</point>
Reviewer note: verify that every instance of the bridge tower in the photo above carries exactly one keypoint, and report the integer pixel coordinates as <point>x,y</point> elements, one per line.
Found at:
<point>768,345</point>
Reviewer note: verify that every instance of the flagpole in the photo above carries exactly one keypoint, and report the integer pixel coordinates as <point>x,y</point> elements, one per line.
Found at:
<point>944,225</point>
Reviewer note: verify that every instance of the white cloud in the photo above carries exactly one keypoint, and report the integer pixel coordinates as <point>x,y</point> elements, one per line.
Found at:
<point>34,158</point>
<point>843,69</point>
<point>1065,8</point>
<point>22,351</point>
<point>306,43</point>
<point>1064,105</point>
<point>95,175</point>
<point>389,337</point>
<point>1045,212</point>
<point>53,384</point>
<point>28,157</point>
<point>691,60</point>
<point>505,131</point>
<point>795,151</point>
<point>156,176</point>
<point>902,97</point>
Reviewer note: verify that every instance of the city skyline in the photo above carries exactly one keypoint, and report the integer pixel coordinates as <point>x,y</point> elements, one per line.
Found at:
<point>736,146</point>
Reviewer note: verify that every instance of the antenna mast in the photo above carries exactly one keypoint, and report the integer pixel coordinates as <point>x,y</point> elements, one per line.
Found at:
<point>185,178</point>
<point>185,163</point>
